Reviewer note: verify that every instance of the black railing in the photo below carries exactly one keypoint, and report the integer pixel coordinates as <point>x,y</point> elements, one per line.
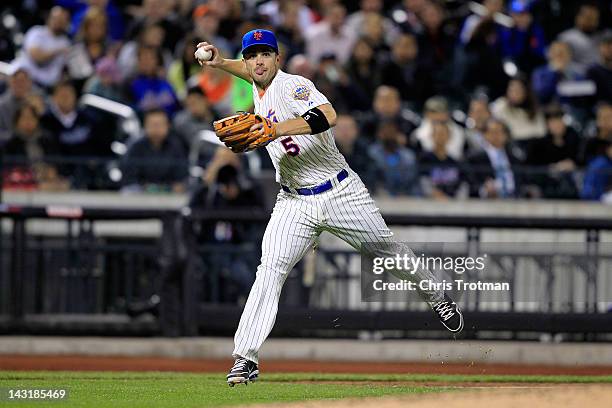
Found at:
<point>114,172</point>
<point>60,272</point>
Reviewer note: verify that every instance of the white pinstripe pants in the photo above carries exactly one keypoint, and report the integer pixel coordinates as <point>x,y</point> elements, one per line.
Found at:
<point>347,211</point>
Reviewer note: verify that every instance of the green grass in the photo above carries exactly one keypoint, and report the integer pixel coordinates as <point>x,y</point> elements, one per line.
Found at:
<point>169,390</point>
<point>450,378</point>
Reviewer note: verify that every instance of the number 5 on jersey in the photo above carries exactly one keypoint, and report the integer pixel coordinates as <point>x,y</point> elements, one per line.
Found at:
<point>290,146</point>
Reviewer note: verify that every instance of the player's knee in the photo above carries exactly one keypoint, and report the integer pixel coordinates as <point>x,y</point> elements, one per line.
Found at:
<point>382,249</point>
<point>273,266</point>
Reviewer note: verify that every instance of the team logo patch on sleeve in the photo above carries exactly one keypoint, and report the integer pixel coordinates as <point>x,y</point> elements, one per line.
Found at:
<point>301,93</point>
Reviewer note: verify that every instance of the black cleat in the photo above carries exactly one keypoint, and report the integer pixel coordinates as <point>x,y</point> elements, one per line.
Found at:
<point>242,372</point>
<point>449,314</point>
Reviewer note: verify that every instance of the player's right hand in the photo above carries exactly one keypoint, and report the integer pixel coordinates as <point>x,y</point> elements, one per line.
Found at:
<point>216,59</point>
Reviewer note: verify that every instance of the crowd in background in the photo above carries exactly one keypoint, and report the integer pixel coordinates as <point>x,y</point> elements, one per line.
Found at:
<point>439,99</point>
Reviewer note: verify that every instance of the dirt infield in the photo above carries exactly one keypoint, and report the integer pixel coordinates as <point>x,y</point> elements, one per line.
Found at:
<point>102,363</point>
<point>500,397</point>
<point>461,394</point>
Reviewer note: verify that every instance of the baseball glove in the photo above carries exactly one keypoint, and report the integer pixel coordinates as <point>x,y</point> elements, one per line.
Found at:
<point>235,132</point>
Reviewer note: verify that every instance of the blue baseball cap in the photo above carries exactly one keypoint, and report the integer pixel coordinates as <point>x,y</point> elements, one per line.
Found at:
<point>519,6</point>
<point>259,37</point>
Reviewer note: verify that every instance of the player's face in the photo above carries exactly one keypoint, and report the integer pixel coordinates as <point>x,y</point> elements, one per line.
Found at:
<point>262,63</point>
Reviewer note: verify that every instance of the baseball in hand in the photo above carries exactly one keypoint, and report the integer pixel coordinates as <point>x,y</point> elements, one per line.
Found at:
<point>203,55</point>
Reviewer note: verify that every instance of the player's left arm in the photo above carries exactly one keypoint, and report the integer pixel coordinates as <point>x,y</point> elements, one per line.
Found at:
<point>315,120</point>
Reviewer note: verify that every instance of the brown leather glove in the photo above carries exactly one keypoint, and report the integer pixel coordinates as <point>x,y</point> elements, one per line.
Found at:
<point>235,132</point>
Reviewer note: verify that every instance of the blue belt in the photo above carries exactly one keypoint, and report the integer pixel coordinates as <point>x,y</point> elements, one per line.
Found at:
<point>317,189</point>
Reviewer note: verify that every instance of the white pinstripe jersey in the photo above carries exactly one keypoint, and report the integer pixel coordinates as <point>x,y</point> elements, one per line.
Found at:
<point>302,160</point>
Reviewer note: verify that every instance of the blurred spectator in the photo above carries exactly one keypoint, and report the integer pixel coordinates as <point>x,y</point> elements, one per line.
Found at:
<point>28,144</point>
<point>279,11</point>
<point>183,10</point>
<point>332,80</point>
<point>206,28</point>
<point>28,14</point>
<point>20,91</point>
<point>74,130</point>
<point>436,45</point>
<point>149,90</point>
<point>80,8</point>
<point>107,81</point>
<point>490,171</point>
<point>396,165</point>
<point>45,49</point>
<point>226,187</point>
<point>491,7</point>
<point>159,13</point>
<point>372,30</point>
<point>582,37</point>
<point>288,32</point>
<point>560,68</point>
<point>184,67</point>
<point>155,162</point>
<point>596,145</point>
<point>408,15</point>
<point>601,72</point>
<point>406,72</point>
<point>230,17</point>
<point>519,110</point>
<point>300,65</point>
<point>151,36</point>
<point>217,86</point>
<point>349,59</point>
<point>354,148</point>
<point>356,20</point>
<point>524,43</point>
<point>26,152</point>
<point>8,48</point>
<point>442,174</point>
<point>91,45</point>
<point>598,177</point>
<point>229,189</point>
<point>197,115</point>
<point>436,110</point>
<point>362,69</point>
<point>558,150</point>
<point>387,106</point>
<point>330,36</point>
<point>478,115</point>
<point>470,70</point>
<point>80,137</point>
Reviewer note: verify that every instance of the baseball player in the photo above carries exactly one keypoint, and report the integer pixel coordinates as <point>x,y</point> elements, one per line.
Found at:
<point>319,192</point>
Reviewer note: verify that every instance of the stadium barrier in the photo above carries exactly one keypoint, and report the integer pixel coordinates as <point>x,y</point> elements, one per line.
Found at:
<point>61,173</point>
<point>69,278</point>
